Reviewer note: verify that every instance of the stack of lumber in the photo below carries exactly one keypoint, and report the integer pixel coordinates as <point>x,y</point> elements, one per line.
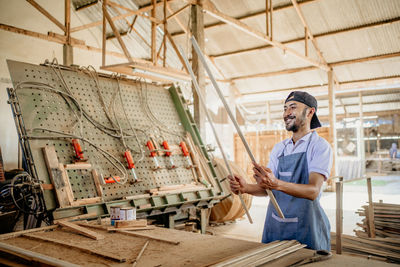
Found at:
<point>387,249</point>
<point>386,219</point>
<point>230,208</point>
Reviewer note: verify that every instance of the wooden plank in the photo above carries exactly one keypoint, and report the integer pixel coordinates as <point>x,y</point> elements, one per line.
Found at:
<point>56,176</point>
<point>86,201</point>
<point>149,237</point>
<point>46,14</point>
<point>78,166</point>
<point>339,218</point>
<point>211,10</point>
<point>371,225</point>
<point>67,188</point>
<point>153,19</point>
<point>2,178</point>
<point>116,33</point>
<point>153,34</point>
<point>148,227</point>
<point>97,183</point>
<point>132,223</point>
<point>104,40</point>
<point>307,30</point>
<point>140,253</point>
<point>74,246</point>
<point>81,230</point>
<point>34,256</point>
<point>77,217</point>
<point>19,233</point>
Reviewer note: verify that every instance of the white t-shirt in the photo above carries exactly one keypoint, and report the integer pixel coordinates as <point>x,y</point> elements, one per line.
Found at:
<point>319,153</point>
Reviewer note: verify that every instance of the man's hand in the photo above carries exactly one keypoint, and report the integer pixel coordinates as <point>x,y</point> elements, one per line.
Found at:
<point>238,184</point>
<point>264,177</point>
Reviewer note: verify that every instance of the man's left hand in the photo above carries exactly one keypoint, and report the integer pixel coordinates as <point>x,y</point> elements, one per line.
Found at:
<point>264,177</point>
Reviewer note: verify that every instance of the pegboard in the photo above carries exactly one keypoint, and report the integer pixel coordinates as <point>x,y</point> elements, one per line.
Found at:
<point>149,108</point>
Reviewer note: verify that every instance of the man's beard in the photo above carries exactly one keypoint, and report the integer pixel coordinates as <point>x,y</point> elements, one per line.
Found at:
<point>298,123</point>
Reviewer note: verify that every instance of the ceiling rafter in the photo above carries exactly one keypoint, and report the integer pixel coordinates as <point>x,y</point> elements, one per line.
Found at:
<point>309,68</point>
<point>264,47</point>
<point>210,9</point>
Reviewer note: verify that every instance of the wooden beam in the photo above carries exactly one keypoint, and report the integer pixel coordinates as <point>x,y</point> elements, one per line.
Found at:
<point>103,254</point>
<point>165,35</point>
<point>332,119</point>
<point>153,19</point>
<point>81,230</point>
<point>171,40</point>
<point>67,18</point>
<point>251,15</point>
<point>116,33</point>
<point>330,33</point>
<point>104,39</point>
<point>309,68</point>
<point>46,14</point>
<point>176,13</point>
<point>339,216</point>
<point>153,34</point>
<point>212,11</point>
<point>34,256</point>
<point>57,39</point>
<point>128,14</point>
<point>271,10</point>
<point>307,27</point>
<point>344,85</point>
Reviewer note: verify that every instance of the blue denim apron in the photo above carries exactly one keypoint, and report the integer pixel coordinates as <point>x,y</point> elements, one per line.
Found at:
<point>305,220</point>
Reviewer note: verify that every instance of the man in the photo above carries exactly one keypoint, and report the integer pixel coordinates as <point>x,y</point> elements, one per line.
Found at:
<point>296,171</point>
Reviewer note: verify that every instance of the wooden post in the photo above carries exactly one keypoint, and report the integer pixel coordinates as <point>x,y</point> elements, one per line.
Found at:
<point>339,216</point>
<point>67,47</point>
<point>198,69</point>
<point>361,136</point>
<point>171,221</point>
<point>371,222</point>
<point>165,34</point>
<point>266,18</point>
<point>103,47</point>
<point>305,42</point>
<point>153,34</point>
<point>203,219</point>
<point>332,118</point>
<point>270,20</point>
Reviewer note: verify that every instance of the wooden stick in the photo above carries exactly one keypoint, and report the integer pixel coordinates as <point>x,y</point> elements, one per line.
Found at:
<point>94,226</point>
<point>78,166</point>
<point>81,230</point>
<point>84,249</point>
<point>371,212</point>
<point>46,14</point>
<point>148,227</point>
<point>149,237</point>
<point>86,201</point>
<point>34,256</point>
<point>235,123</point>
<point>140,254</point>
<point>19,233</point>
<point>339,218</point>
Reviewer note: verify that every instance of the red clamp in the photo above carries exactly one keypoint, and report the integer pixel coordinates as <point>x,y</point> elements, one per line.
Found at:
<point>78,150</point>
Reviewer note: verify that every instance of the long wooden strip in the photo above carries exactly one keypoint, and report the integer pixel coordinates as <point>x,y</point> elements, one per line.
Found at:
<point>149,237</point>
<point>30,255</point>
<point>148,227</point>
<point>84,249</point>
<point>81,230</point>
<point>19,233</point>
<point>56,176</point>
<point>140,254</point>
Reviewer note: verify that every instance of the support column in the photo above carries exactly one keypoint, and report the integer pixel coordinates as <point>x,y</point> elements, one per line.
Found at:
<point>68,58</point>
<point>332,119</point>
<point>203,219</point>
<point>197,17</point>
<point>361,135</point>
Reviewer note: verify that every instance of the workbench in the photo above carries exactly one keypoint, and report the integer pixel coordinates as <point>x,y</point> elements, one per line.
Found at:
<point>193,249</point>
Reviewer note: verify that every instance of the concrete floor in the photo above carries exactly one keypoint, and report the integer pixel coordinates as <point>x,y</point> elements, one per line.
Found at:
<point>386,188</point>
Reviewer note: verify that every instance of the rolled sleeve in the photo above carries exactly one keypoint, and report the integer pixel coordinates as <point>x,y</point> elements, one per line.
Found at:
<point>321,158</point>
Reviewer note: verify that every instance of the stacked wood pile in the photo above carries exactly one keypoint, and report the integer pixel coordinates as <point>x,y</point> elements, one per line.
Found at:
<point>386,220</point>
<point>230,208</point>
<point>387,249</point>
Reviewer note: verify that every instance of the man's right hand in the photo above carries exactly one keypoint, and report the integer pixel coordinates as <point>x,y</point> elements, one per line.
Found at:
<point>237,183</point>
